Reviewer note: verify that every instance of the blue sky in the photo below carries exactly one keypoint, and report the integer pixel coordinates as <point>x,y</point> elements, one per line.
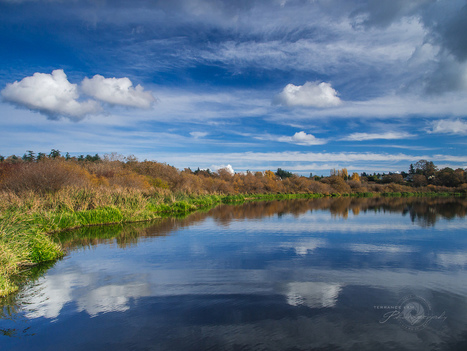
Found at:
<point>306,86</point>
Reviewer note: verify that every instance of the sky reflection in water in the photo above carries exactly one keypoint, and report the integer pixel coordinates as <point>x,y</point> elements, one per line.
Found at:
<point>281,275</point>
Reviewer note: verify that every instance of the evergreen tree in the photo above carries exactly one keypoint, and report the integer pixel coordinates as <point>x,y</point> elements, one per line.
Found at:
<point>29,156</point>
<point>54,153</point>
<point>283,174</point>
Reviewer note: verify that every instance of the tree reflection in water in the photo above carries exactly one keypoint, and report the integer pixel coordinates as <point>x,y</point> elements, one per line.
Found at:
<point>423,212</point>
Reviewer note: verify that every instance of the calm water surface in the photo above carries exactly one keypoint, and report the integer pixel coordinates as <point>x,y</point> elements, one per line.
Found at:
<point>327,274</point>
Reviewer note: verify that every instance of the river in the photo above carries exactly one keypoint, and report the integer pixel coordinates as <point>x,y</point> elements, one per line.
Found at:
<point>321,274</point>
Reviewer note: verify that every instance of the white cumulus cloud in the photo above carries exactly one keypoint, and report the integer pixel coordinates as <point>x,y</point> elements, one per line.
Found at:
<point>301,138</point>
<point>51,94</point>
<point>449,126</point>
<point>311,94</point>
<point>374,136</point>
<point>117,91</point>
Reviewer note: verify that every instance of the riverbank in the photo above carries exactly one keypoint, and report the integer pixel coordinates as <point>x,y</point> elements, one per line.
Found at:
<point>28,222</point>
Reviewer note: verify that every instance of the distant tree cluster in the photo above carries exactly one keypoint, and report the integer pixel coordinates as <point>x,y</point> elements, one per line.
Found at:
<point>30,156</point>
<point>283,174</point>
<point>342,173</point>
<point>53,171</point>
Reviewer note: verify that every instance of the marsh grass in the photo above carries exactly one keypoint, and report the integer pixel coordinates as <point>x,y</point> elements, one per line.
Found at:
<point>22,245</point>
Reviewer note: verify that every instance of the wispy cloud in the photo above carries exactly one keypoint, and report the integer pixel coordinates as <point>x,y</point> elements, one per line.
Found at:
<point>299,138</point>
<point>198,135</point>
<point>389,106</point>
<point>396,146</point>
<point>289,156</point>
<point>374,136</point>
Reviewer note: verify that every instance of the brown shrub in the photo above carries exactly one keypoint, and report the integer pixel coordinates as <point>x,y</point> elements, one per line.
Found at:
<point>373,187</point>
<point>396,188</point>
<point>238,183</point>
<point>320,188</point>
<point>162,171</point>
<point>129,179</point>
<point>225,174</point>
<point>251,184</point>
<point>191,184</point>
<point>45,176</point>
<point>296,184</point>
<point>217,186</point>
<point>272,184</point>
<point>354,184</point>
<point>338,184</point>
<point>117,174</point>
<point>108,169</point>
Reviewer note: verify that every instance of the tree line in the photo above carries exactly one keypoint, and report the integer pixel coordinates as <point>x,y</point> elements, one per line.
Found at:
<point>53,171</point>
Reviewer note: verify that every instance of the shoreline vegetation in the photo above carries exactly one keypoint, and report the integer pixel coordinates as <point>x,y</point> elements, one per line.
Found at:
<point>45,194</point>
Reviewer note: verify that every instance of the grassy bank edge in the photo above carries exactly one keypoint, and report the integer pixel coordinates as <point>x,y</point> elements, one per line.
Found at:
<point>25,240</point>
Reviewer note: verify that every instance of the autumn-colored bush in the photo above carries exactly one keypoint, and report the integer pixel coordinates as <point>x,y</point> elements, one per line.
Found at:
<point>44,177</point>
<point>218,186</point>
<point>191,184</point>
<point>396,188</point>
<point>252,184</point>
<point>338,184</point>
<point>373,187</point>
<point>167,173</point>
<point>296,184</point>
<point>116,174</point>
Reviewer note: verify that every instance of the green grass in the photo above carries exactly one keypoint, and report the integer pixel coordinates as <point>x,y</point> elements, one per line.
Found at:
<point>365,194</point>
<point>21,244</point>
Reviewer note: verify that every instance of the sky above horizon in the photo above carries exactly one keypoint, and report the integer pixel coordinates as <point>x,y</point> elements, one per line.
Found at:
<point>306,86</point>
